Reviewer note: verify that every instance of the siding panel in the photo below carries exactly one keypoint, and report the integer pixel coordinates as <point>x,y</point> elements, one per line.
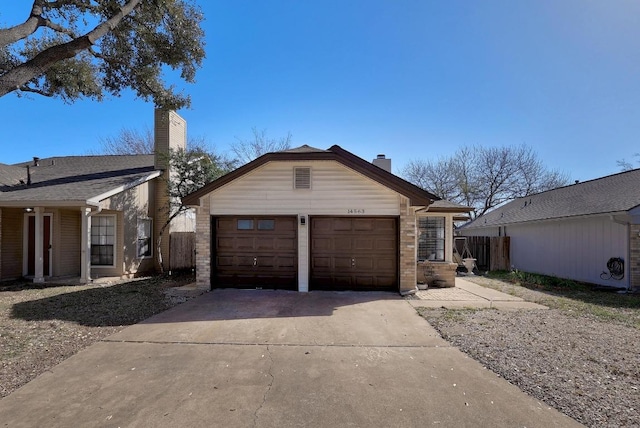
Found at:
<point>577,249</point>
<point>68,252</point>
<point>12,225</point>
<point>334,188</point>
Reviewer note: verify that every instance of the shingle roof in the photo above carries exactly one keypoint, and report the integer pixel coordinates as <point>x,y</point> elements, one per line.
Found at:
<point>614,193</point>
<point>71,179</point>
<point>443,205</point>
<point>416,195</point>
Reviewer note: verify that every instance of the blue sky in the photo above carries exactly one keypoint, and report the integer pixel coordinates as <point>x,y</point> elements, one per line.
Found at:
<point>407,78</point>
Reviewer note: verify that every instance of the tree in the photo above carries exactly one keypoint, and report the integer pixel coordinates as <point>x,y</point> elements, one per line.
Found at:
<point>484,177</point>
<point>129,142</point>
<point>88,48</point>
<point>190,169</point>
<point>248,150</point>
<point>625,165</point>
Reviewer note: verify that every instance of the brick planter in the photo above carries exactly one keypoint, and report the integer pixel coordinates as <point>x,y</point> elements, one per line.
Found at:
<point>437,274</point>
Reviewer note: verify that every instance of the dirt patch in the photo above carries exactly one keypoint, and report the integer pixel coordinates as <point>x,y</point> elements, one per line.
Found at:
<point>580,356</point>
<point>43,324</point>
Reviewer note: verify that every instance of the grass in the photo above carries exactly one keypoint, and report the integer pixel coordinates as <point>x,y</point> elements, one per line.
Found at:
<point>571,297</point>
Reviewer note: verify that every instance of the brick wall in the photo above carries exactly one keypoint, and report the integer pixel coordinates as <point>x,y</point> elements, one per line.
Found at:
<point>428,272</point>
<point>203,245</point>
<point>634,263</point>
<point>407,228</point>
<point>170,131</point>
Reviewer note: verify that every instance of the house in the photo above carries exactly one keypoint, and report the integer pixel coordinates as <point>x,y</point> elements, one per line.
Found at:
<point>587,231</point>
<point>310,219</point>
<point>86,216</point>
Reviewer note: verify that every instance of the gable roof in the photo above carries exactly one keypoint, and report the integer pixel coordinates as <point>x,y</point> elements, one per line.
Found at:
<point>73,180</point>
<point>611,194</point>
<point>416,195</point>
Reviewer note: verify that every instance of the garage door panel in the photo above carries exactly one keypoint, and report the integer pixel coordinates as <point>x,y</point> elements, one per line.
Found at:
<point>364,263</point>
<point>364,224</point>
<point>243,243</point>
<point>364,244</point>
<point>386,244</point>
<point>255,252</point>
<point>321,263</point>
<point>342,243</point>
<point>341,263</point>
<point>342,224</point>
<point>354,253</point>
<point>285,244</point>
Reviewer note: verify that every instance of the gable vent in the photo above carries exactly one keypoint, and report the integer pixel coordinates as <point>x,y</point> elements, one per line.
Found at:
<point>302,178</point>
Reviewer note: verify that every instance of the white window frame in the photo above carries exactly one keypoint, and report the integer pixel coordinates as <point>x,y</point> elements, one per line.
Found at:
<point>142,220</point>
<point>444,238</point>
<point>115,240</point>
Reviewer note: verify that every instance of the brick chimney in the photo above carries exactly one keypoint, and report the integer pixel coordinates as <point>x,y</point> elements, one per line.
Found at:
<point>169,131</point>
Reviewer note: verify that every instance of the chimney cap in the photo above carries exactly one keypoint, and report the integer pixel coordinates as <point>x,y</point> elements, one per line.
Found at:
<point>381,156</point>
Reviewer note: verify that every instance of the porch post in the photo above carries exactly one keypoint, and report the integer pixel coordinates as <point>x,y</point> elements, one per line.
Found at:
<point>85,246</point>
<point>39,245</point>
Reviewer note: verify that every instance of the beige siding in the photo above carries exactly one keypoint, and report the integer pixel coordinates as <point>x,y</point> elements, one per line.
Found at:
<point>11,245</point>
<point>66,244</point>
<point>129,206</point>
<point>335,190</point>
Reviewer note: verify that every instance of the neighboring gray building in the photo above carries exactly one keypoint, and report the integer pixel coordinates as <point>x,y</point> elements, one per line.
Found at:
<point>581,232</point>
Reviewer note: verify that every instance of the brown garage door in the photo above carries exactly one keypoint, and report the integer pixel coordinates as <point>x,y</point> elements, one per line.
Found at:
<point>354,253</point>
<point>255,252</point>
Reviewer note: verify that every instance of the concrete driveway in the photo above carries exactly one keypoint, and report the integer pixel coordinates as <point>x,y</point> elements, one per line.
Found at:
<point>234,358</point>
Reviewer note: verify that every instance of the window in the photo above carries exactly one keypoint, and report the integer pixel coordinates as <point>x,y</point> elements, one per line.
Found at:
<point>431,238</point>
<point>145,243</point>
<point>103,239</point>
<point>245,224</point>
<point>302,178</point>
<point>266,224</point>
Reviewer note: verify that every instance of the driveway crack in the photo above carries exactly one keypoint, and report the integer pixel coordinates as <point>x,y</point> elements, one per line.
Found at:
<point>266,392</point>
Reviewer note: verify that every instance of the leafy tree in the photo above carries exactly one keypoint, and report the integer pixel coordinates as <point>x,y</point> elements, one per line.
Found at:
<point>248,150</point>
<point>190,169</point>
<point>88,48</point>
<point>484,177</point>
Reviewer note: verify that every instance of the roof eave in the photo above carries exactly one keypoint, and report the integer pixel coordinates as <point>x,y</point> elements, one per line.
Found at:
<point>416,196</point>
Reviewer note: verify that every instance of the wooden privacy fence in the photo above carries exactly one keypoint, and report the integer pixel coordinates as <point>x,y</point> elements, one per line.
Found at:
<point>182,250</point>
<point>492,253</point>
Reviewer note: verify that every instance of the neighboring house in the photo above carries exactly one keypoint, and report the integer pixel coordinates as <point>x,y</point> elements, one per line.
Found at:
<point>574,231</point>
<point>86,216</point>
<point>309,219</point>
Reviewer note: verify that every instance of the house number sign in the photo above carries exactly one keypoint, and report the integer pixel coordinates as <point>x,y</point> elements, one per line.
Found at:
<point>355,211</point>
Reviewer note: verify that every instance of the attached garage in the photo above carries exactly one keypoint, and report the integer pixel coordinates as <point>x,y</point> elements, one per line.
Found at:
<point>308,219</point>
<point>354,253</point>
<point>254,252</point>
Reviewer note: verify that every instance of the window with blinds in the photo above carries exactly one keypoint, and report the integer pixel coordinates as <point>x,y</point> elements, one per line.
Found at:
<point>431,238</point>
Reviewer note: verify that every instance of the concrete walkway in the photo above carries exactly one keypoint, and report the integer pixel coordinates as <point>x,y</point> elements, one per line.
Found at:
<point>233,358</point>
<point>466,294</point>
